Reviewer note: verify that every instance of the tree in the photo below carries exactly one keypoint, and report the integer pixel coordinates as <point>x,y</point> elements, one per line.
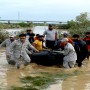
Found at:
<point>83,20</point>
<point>80,25</point>
<point>83,17</point>
<point>72,24</point>
<point>23,24</point>
<point>3,35</point>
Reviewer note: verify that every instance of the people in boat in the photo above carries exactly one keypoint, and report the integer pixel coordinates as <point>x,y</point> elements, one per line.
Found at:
<point>69,53</point>
<point>38,44</point>
<point>51,36</point>
<point>7,43</point>
<point>20,51</point>
<point>80,48</point>
<point>87,40</point>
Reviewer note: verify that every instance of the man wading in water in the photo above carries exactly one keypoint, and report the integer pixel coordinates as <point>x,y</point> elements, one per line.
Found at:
<point>69,53</point>
<point>20,51</point>
<point>7,43</point>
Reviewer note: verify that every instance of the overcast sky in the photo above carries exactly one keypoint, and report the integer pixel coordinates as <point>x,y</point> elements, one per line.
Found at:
<point>54,10</point>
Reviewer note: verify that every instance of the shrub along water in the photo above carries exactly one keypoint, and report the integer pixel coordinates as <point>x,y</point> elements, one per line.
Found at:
<point>3,35</point>
<point>43,80</point>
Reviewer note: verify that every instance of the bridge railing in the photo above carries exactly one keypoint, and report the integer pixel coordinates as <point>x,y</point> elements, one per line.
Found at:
<point>26,21</point>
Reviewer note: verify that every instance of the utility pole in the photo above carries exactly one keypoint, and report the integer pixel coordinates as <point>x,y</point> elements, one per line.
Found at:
<point>18,15</point>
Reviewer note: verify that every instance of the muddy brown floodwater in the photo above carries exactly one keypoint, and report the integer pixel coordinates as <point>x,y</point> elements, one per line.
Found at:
<point>80,82</point>
<point>9,75</point>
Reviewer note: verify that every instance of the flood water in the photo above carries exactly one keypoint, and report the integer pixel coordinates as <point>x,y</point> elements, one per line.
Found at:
<point>36,30</point>
<point>9,75</point>
<point>80,82</point>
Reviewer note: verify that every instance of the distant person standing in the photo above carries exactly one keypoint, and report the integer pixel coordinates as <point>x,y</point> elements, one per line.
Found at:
<point>30,35</point>
<point>51,36</point>
<point>28,31</point>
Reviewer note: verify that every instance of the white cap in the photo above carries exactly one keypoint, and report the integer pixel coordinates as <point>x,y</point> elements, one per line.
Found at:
<point>64,40</point>
<point>11,35</point>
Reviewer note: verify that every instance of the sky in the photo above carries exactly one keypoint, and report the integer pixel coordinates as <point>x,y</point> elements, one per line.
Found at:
<point>42,10</point>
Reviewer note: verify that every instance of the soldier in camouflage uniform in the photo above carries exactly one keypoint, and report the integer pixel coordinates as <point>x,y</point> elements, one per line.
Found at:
<point>7,43</point>
<point>20,51</point>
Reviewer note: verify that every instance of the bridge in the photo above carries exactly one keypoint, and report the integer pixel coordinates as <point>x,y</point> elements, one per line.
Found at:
<point>27,21</point>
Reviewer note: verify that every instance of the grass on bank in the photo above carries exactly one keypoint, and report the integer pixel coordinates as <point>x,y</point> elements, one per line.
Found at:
<point>43,80</point>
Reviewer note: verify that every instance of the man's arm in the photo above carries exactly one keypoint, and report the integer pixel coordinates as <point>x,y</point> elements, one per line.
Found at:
<point>33,48</point>
<point>60,52</point>
<point>28,52</point>
<point>56,35</point>
<point>64,52</point>
<point>35,43</point>
<point>45,32</point>
<point>3,44</point>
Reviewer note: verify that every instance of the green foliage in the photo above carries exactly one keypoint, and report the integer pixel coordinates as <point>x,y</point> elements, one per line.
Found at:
<point>3,35</point>
<point>7,26</point>
<point>15,25</point>
<point>38,81</point>
<point>63,26</point>
<point>23,24</point>
<point>80,25</point>
<point>82,18</point>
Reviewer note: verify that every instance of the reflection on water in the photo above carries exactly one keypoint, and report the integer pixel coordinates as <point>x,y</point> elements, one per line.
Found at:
<point>13,31</point>
<point>36,30</point>
<point>9,75</point>
<point>77,83</point>
<point>57,86</point>
<point>87,86</point>
<point>3,70</point>
<point>80,82</point>
<point>3,82</point>
<point>40,29</point>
